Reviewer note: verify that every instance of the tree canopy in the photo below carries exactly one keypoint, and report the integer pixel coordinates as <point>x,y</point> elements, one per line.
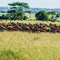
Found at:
<point>52,12</point>
<point>58,15</point>
<point>16,10</point>
<point>25,5</point>
<point>41,15</point>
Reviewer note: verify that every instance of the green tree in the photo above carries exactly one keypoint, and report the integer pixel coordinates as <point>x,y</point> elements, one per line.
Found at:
<point>58,15</point>
<point>16,10</point>
<point>41,15</point>
<point>52,14</point>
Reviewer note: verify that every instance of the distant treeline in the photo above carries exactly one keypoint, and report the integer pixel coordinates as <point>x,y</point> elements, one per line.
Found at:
<point>34,10</point>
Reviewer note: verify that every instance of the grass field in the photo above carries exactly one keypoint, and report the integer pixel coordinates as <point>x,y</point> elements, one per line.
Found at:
<point>29,46</point>
<point>32,17</point>
<point>32,22</point>
<point>58,19</point>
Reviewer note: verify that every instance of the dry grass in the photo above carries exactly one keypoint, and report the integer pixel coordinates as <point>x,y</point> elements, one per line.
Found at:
<point>31,16</point>
<point>32,22</point>
<point>29,46</point>
<point>58,19</point>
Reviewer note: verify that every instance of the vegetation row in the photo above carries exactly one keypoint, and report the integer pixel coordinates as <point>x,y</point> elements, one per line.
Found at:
<point>18,9</point>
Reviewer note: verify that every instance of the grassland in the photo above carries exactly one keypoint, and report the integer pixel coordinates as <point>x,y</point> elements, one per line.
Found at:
<point>32,22</point>
<point>29,46</point>
<point>31,17</point>
<point>58,19</point>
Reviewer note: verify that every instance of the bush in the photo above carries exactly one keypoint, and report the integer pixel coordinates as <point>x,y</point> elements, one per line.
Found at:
<point>25,18</point>
<point>3,17</point>
<point>41,15</point>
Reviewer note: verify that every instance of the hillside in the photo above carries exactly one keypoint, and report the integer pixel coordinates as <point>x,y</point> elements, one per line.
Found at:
<point>34,10</point>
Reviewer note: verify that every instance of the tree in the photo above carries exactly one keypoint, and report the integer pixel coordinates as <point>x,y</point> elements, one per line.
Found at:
<point>16,10</point>
<point>41,15</point>
<point>52,14</point>
<point>58,15</point>
<point>3,17</point>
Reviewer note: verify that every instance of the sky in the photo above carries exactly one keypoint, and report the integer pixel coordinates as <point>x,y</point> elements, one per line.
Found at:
<point>35,3</point>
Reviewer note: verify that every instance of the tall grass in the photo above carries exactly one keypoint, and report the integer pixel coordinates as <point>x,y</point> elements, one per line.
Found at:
<point>29,46</point>
<point>32,22</point>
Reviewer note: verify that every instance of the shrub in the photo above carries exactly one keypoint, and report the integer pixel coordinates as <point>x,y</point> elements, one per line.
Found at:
<point>25,18</point>
<point>3,17</point>
<point>41,15</point>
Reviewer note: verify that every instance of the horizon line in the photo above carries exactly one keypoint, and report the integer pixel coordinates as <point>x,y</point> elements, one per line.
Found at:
<point>35,7</point>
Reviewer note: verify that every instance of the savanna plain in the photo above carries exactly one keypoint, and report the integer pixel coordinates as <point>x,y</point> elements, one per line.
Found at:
<point>17,45</point>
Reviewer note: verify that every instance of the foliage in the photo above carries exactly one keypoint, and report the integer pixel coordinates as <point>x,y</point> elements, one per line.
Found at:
<point>25,18</point>
<point>19,4</point>
<point>16,11</point>
<point>3,17</point>
<point>52,12</point>
<point>52,15</point>
<point>41,15</point>
<point>58,15</point>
